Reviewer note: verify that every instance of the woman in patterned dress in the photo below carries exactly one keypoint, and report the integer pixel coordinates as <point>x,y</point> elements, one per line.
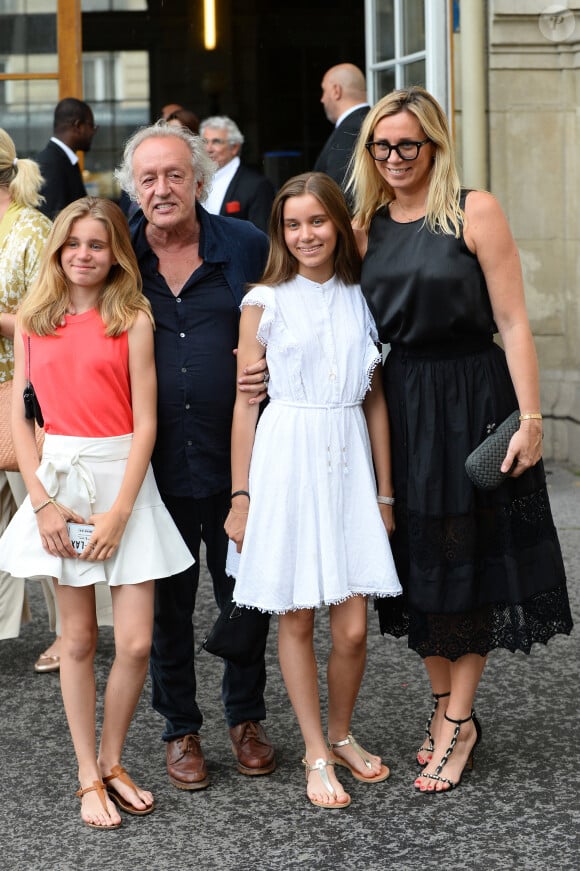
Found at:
<point>23,233</point>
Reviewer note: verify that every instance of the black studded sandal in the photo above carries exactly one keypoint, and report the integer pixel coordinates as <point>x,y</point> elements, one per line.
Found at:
<point>430,745</point>
<point>468,765</point>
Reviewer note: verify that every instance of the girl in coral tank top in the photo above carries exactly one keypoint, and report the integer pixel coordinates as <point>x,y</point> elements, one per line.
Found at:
<point>93,512</point>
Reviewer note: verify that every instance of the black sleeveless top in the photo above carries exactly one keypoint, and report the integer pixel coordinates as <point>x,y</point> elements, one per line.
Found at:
<point>424,288</point>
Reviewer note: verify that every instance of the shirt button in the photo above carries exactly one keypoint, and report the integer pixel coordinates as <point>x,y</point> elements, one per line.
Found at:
<point>187,406</point>
<point>182,335</point>
<point>184,369</point>
<point>178,299</point>
<point>189,444</point>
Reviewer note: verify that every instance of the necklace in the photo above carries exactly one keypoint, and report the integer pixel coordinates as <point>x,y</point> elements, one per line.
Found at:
<point>415,215</point>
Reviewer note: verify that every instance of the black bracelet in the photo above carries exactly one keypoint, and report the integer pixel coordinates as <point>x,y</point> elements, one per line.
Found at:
<point>240,493</point>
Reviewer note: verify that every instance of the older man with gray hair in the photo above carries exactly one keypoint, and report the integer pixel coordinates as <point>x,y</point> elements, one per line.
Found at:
<point>237,190</point>
<point>194,268</point>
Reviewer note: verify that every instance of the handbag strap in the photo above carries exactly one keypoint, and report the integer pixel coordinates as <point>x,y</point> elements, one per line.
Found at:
<point>28,355</point>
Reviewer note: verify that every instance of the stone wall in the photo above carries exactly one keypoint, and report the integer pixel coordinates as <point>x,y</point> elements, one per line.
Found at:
<point>534,137</point>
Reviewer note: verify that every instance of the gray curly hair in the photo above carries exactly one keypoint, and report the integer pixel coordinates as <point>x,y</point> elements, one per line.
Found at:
<point>203,167</point>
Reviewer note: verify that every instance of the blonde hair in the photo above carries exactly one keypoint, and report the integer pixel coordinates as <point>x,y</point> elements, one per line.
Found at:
<point>371,191</point>
<point>21,176</point>
<point>45,304</point>
<point>281,265</point>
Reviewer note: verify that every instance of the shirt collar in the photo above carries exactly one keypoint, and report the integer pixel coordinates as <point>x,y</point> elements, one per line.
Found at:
<point>213,247</point>
<point>229,170</point>
<point>68,151</point>
<point>350,111</point>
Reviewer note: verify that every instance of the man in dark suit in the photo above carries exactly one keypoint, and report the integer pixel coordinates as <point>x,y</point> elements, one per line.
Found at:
<point>237,191</point>
<point>344,98</point>
<point>73,130</point>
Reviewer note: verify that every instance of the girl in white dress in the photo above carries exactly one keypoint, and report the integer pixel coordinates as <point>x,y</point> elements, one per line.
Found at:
<point>85,333</point>
<point>314,531</point>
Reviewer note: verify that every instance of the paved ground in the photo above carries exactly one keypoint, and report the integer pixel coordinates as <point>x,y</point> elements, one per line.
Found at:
<point>519,809</point>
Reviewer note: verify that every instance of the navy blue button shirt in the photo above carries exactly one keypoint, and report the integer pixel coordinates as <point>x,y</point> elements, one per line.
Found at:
<point>195,335</point>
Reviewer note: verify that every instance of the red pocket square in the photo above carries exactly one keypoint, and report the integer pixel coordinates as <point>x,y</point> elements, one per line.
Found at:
<point>232,207</point>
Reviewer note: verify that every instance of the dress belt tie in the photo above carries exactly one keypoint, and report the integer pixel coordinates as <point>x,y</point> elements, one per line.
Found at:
<point>330,409</point>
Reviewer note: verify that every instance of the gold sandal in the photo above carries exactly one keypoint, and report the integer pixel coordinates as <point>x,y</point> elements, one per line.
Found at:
<point>121,801</point>
<point>100,788</point>
<point>338,760</point>
<point>321,765</point>
<point>46,662</point>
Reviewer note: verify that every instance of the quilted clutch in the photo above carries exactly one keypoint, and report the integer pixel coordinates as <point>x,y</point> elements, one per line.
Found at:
<point>484,463</point>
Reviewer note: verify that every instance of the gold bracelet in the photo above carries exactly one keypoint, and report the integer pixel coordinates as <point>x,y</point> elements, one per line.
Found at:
<point>386,500</point>
<point>531,415</point>
<point>43,505</point>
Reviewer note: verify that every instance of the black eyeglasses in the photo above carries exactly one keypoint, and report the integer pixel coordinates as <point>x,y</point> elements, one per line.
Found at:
<point>406,150</point>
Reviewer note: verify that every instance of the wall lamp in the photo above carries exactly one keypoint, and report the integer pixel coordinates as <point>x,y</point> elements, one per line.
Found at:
<point>209,25</point>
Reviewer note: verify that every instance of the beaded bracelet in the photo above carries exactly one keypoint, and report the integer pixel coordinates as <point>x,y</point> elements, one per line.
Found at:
<point>535,415</point>
<point>386,500</point>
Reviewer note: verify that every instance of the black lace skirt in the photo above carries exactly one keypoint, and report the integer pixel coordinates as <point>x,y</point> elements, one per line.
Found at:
<point>479,569</point>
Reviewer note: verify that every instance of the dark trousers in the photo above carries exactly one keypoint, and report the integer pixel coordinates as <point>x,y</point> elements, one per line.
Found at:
<point>172,653</point>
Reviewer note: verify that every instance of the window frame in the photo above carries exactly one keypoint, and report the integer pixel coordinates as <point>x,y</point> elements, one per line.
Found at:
<point>69,41</point>
<point>436,52</point>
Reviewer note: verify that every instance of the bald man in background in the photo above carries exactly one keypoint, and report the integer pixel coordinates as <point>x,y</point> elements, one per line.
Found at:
<point>344,97</point>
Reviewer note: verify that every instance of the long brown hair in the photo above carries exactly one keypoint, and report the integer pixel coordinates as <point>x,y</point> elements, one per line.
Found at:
<point>45,304</point>
<point>283,266</point>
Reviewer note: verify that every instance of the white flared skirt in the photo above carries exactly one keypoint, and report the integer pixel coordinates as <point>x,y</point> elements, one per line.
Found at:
<point>85,474</point>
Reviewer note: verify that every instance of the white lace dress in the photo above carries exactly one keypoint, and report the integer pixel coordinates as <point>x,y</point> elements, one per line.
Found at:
<point>314,534</point>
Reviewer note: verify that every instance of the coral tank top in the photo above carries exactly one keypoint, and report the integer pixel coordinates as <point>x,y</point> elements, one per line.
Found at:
<point>81,378</point>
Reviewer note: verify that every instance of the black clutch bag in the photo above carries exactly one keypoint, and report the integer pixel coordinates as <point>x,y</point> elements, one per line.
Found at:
<point>238,635</point>
<point>484,463</point>
<point>32,409</point>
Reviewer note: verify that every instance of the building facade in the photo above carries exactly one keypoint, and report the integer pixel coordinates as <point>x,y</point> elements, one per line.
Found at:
<point>506,71</point>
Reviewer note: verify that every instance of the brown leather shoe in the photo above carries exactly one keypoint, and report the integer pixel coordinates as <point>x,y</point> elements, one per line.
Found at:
<point>185,763</point>
<point>252,749</point>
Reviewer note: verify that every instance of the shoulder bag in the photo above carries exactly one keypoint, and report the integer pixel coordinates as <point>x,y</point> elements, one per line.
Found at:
<point>8,462</point>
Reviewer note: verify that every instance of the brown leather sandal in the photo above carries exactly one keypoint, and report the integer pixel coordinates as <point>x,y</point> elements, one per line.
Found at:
<point>100,788</point>
<point>121,801</point>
